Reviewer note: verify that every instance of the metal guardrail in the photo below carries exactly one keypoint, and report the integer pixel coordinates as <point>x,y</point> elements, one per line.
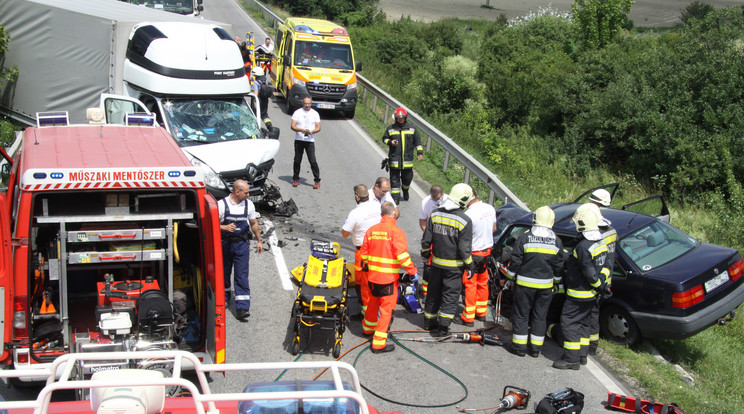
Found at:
<point>471,165</point>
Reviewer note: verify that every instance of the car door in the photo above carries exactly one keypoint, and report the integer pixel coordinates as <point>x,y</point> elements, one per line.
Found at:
<point>116,107</point>
<point>654,206</point>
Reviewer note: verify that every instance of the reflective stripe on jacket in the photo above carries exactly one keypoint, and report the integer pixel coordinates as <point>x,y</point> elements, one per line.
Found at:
<point>385,249</point>
<point>536,259</point>
<point>401,155</point>
<point>583,269</point>
<point>449,233</point>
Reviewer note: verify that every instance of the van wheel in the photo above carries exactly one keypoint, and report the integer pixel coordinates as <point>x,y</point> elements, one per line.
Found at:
<point>350,113</point>
<point>616,325</point>
<point>290,108</point>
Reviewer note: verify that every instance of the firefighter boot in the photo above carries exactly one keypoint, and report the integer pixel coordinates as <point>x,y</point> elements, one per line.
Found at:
<point>405,194</point>
<point>563,364</point>
<point>387,348</point>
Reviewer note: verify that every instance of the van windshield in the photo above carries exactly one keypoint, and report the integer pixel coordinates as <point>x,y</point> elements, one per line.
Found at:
<point>202,121</point>
<point>323,55</point>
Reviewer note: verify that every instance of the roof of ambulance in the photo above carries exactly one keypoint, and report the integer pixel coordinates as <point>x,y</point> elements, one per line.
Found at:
<point>97,146</point>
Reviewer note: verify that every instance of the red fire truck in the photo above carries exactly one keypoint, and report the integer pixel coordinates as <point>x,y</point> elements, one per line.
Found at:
<point>110,243</point>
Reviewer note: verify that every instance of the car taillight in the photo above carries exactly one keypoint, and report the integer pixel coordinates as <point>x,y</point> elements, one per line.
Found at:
<point>19,317</point>
<point>736,269</point>
<point>688,298</point>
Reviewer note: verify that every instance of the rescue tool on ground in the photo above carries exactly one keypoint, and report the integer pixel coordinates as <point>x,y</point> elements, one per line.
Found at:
<point>481,338</point>
<point>512,398</point>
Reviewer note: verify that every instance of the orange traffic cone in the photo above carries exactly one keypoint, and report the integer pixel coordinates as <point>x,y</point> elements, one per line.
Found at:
<point>47,306</point>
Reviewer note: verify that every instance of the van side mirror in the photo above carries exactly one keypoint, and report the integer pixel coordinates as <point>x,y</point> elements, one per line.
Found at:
<point>359,66</point>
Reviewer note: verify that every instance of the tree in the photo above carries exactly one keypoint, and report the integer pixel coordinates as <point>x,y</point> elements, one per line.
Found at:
<point>598,21</point>
<point>6,74</point>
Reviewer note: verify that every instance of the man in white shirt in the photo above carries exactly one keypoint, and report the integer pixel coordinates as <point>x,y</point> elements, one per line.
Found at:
<point>381,193</point>
<point>365,215</point>
<point>305,123</point>
<point>267,48</point>
<point>476,287</point>
<point>432,202</point>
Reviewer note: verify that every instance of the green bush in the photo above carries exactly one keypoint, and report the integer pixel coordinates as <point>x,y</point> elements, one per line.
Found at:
<point>695,10</point>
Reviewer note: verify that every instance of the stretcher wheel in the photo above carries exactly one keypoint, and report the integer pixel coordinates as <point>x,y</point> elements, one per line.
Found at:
<point>296,346</point>
<point>336,349</point>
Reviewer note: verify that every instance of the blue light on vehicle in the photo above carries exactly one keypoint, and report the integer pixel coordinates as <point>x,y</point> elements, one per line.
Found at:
<point>40,175</point>
<point>189,173</point>
<point>56,175</point>
<point>174,174</point>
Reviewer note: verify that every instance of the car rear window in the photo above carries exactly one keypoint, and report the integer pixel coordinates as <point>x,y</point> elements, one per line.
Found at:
<point>655,245</point>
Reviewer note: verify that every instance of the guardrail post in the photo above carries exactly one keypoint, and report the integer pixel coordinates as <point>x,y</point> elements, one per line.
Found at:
<point>491,197</point>
<point>428,144</point>
<point>387,111</point>
<point>446,161</point>
<point>374,104</point>
<point>467,176</point>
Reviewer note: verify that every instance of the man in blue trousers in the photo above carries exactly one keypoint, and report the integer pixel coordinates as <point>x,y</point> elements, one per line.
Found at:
<point>238,225</point>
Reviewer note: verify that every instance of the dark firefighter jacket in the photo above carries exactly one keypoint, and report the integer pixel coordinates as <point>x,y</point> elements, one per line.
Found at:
<point>449,234</point>
<point>401,155</point>
<point>536,260</point>
<point>583,270</point>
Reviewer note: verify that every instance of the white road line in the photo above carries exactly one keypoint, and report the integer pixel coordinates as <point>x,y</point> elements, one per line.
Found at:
<point>605,380</point>
<point>281,265</point>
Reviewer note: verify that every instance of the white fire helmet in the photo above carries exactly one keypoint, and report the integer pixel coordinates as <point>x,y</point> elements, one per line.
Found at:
<point>257,71</point>
<point>601,197</point>
<point>544,216</point>
<point>462,194</point>
<point>587,217</point>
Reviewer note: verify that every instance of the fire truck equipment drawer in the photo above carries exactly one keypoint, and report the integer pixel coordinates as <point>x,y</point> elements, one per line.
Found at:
<point>115,235</point>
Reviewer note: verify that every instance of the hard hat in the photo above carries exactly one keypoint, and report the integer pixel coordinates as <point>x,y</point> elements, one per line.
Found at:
<point>544,216</point>
<point>257,71</point>
<point>586,217</point>
<point>461,194</point>
<point>601,197</point>
<point>400,113</point>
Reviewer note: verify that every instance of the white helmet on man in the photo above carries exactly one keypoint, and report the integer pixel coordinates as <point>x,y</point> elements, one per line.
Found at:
<point>601,197</point>
<point>587,217</point>
<point>257,71</point>
<point>544,216</point>
<point>462,194</point>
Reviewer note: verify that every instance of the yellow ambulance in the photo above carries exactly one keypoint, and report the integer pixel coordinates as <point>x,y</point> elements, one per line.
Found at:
<point>314,57</point>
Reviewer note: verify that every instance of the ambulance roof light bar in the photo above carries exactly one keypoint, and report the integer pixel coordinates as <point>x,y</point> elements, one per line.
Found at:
<point>53,118</point>
<point>139,119</point>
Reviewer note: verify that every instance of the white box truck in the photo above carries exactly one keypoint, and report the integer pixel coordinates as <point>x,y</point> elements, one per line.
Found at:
<point>125,58</point>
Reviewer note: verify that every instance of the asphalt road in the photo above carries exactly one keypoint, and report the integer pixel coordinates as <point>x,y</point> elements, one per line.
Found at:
<point>348,156</point>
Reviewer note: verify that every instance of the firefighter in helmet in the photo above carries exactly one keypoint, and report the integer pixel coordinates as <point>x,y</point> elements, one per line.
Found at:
<point>403,139</point>
<point>536,264</point>
<point>583,283</point>
<point>448,239</point>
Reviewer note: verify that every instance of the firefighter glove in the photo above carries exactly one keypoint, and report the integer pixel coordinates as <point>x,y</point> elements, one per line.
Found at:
<point>365,266</point>
<point>385,165</point>
<point>414,278</point>
<point>469,274</point>
<point>426,253</point>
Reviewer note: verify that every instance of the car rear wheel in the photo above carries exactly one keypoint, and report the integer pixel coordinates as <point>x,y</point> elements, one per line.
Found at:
<point>616,325</point>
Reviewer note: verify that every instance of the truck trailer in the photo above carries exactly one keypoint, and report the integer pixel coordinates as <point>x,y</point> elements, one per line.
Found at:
<point>125,58</point>
<point>110,244</point>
